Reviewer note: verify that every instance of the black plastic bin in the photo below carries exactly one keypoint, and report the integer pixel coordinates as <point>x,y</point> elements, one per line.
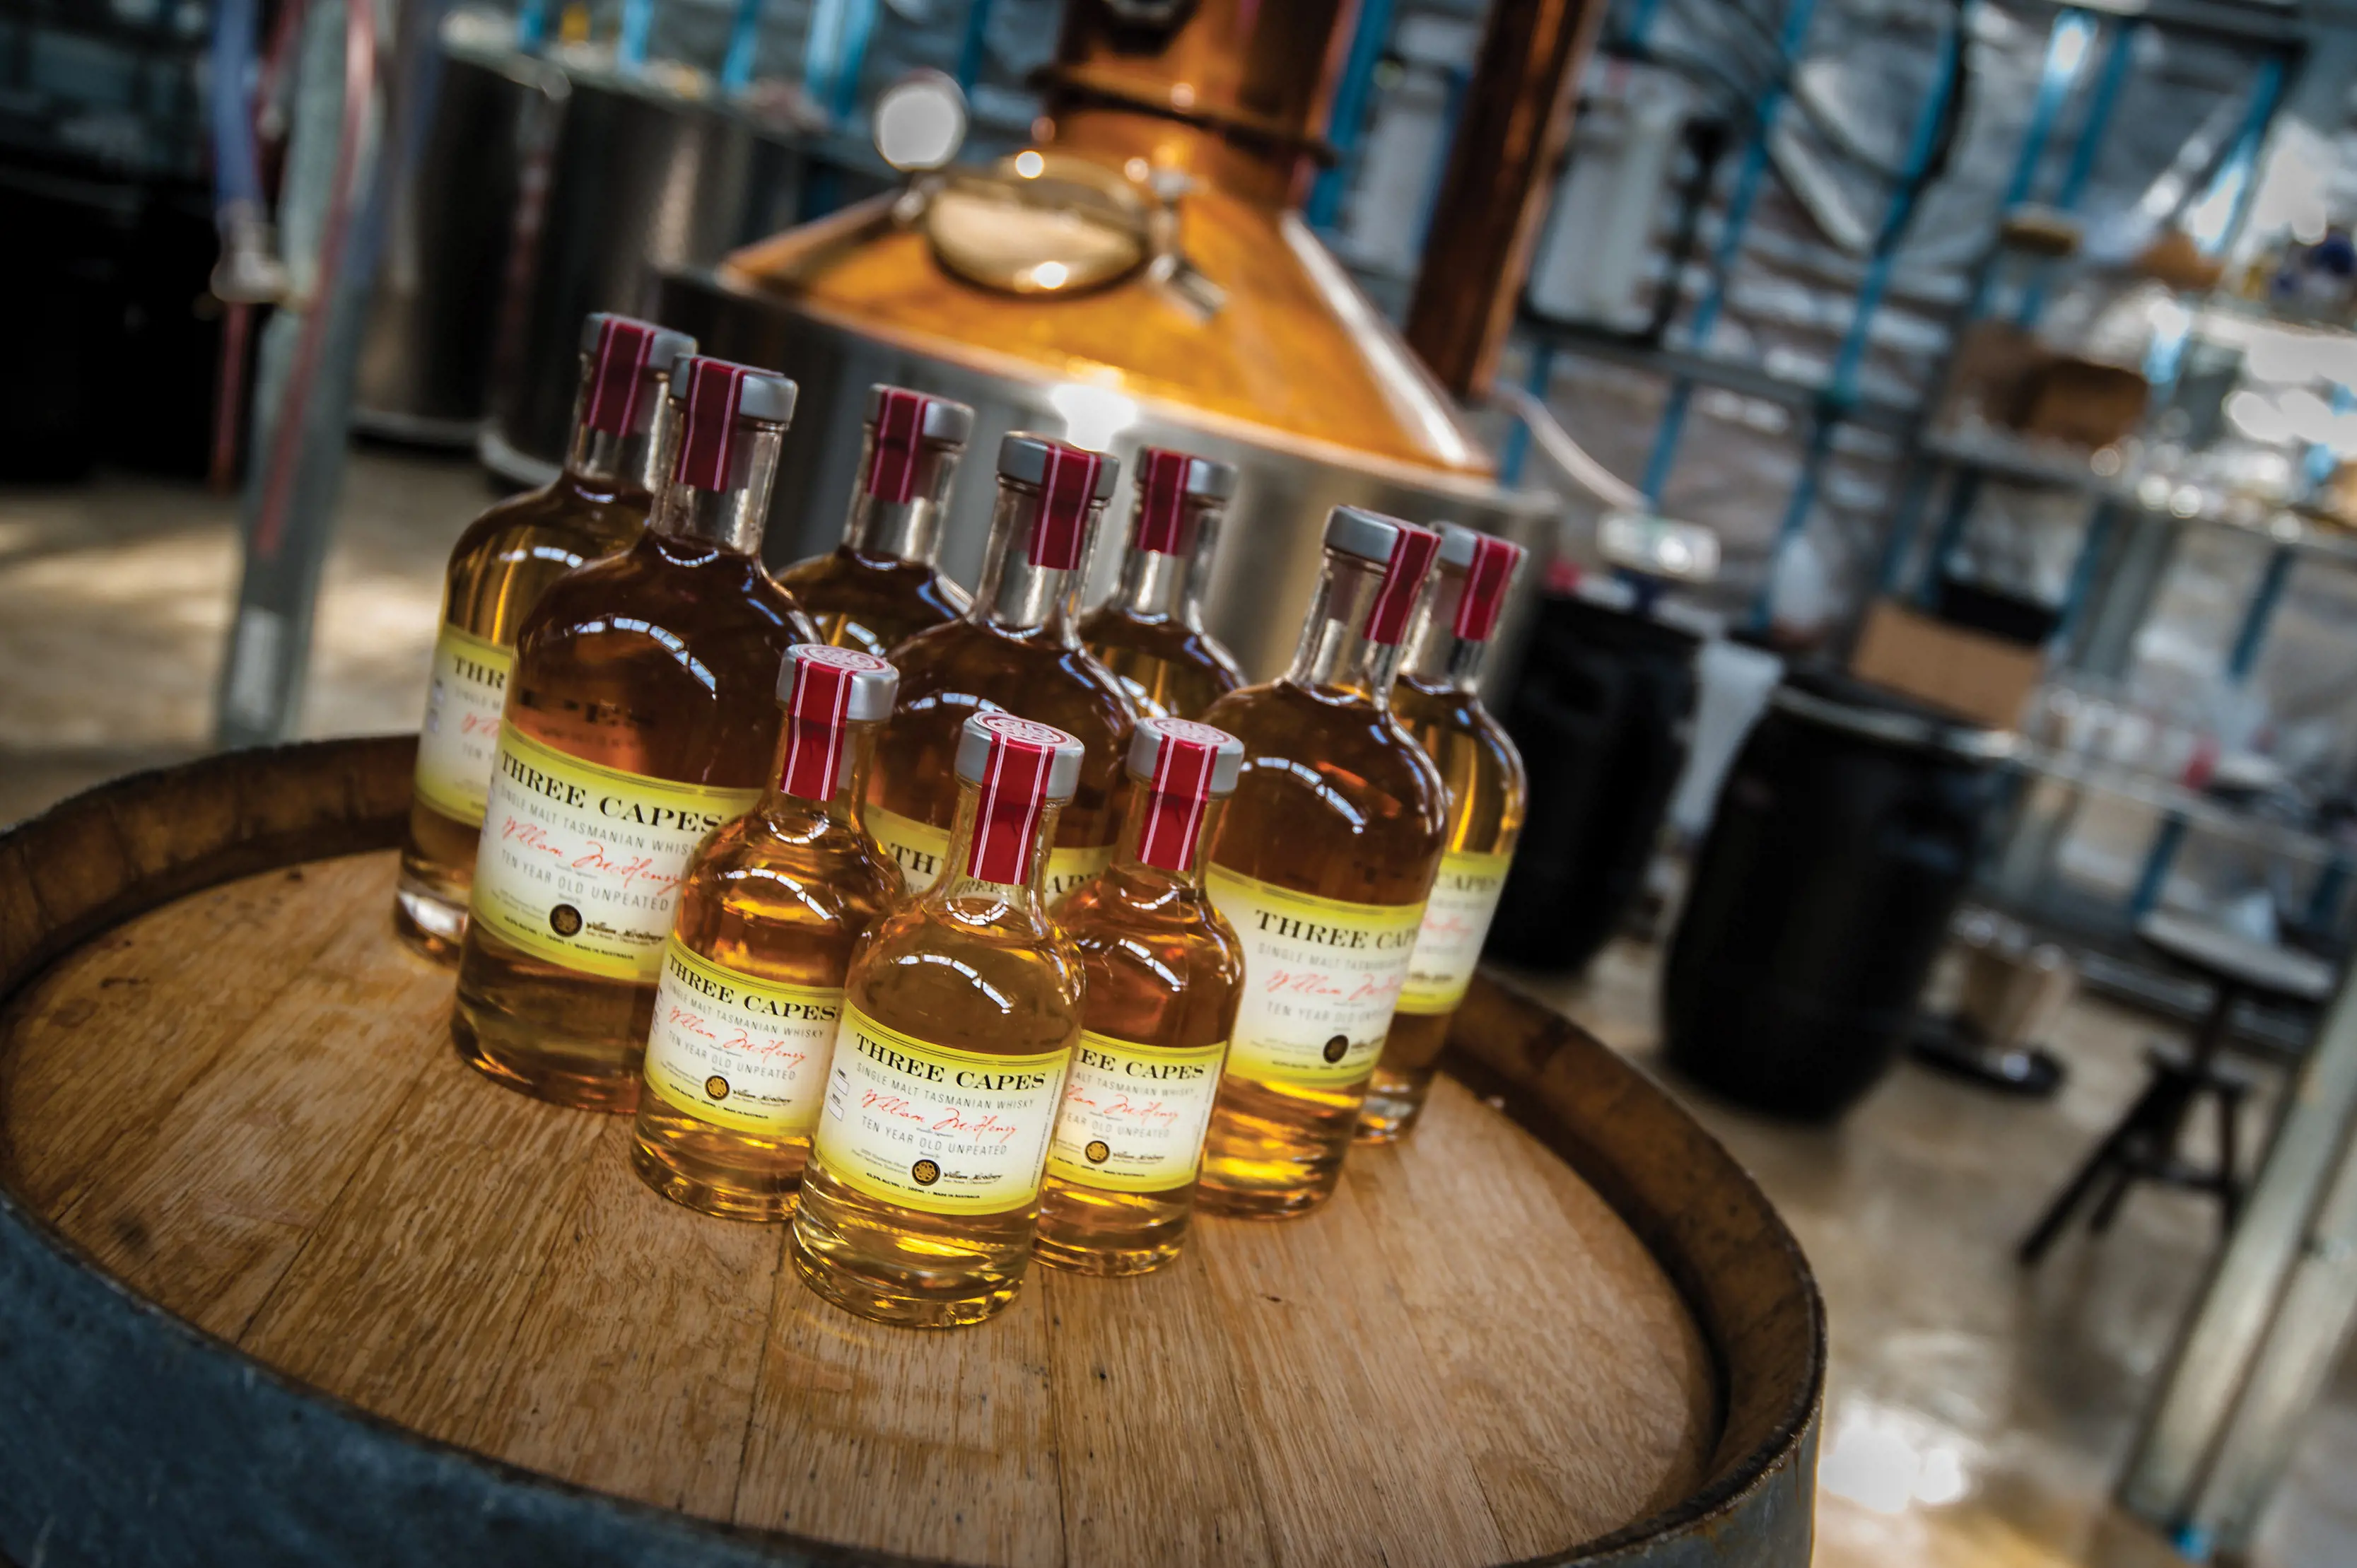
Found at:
<point>1599,715</point>
<point>1843,840</point>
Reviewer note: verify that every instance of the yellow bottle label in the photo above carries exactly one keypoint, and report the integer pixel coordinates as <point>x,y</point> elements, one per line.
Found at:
<point>738,1051</point>
<point>580,865</point>
<point>1321,978</point>
<point>920,848</point>
<point>460,737</point>
<point>1133,1116</point>
<point>917,848</point>
<point>925,1127</point>
<point>1456,923</point>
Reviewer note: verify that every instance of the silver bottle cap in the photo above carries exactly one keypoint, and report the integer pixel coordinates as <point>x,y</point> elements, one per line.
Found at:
<point>818,672</point>
<point>987,734</point>
<point>1369,535</point>
<point>1156,736</point>
<point>1024,457</point>
<point>938,419</point>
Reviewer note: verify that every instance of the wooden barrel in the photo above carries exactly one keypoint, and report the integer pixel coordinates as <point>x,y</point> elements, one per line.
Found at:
<point>281,1282</point>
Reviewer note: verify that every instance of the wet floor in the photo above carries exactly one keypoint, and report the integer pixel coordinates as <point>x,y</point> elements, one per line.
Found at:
<point>1976,1415</point>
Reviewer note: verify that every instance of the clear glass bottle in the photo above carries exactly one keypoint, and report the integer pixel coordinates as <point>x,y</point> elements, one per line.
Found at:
<point>1150,632</point>
<point>1322,866</point>
<point>751,992</point>
<point>879,587</point>
<point>959,1020</point>
<point>1018,649</point>
<point>1438,699</point>
<point>639,718</point>
<point>500,567</point>
<point>1165,975</point>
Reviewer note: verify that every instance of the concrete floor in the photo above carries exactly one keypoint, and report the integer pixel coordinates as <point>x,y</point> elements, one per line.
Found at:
<point>1975,1415</point>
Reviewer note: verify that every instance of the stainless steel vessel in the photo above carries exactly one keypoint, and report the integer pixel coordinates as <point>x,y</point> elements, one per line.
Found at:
<point>1269,552</point>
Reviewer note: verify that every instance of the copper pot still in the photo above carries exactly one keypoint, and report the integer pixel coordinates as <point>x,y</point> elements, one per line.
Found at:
<point>1140,275</point>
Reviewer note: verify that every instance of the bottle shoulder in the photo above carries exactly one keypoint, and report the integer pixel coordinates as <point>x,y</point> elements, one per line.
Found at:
<point>1458,731</point>
<point>959,982</point>
<point>1039,680</point>
<point>833,879</point>
<point>559,520</point>
<point>1350,746</point>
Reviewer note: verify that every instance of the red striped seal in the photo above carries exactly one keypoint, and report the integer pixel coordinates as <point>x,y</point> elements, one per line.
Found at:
<point>1486,578</point>
<point>1181,785</point>
<point>1402,580</point>
<point>1014,794</point>
<point>618,373</point>
<point>818,711</point>
<point>897,443</point>
<point>1165,521</point>
<point>708,431</point>
<point>1068,488</point>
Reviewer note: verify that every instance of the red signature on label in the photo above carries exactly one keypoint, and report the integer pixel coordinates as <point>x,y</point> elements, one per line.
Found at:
<point>1328,987</point>
<point>988,1130</point>
<point>681,1019</point>
<point>780,1053</point>
<point>1448,927</point>
<point>1154,1112</point>
<point>890,1105</point>
<point>478,723</point>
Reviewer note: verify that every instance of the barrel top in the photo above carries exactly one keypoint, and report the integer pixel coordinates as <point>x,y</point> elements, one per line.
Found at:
<point>242,1104</point>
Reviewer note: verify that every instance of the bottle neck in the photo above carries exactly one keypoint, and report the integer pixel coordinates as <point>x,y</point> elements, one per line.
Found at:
<point>882,528</point>
<point>1146,876</point>
<point>732,517</point>
<point>1016,595</point>
<point>790,810</point>
<point>1019,906</point>
<point>1437,657</point>
<point>1335,656</point>
<point>628,460</point>
<point>1153,587</point>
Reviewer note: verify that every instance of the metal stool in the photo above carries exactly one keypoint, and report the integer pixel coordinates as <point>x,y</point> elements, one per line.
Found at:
<point>2142,1145</point>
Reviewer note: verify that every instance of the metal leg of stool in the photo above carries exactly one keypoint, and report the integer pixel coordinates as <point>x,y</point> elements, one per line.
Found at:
<point>2107,1207</point>
<point>2230,1165</point>
<point>2058,1213</point>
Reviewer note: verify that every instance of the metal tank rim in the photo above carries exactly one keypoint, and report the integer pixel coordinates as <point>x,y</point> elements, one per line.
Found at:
<point>229,1455</point>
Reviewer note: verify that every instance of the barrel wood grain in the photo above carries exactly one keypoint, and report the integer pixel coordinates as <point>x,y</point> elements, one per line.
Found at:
<point>242,1104</point>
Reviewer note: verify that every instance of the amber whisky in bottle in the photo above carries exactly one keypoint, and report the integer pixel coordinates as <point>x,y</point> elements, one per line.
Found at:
<point>1150,633</point>
<point>503,563</point>
<point>640,715</point>
<point>879,587</point>
<point>959,1020</point>
<point>1437,699</point>
<point>1322,865</point>
<point>1165,974</point>
<point>1018,649</point>
<point>751,992</point>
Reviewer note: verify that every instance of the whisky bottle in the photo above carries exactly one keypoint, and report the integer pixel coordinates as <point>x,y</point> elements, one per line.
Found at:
<point>879,587</point>
<point>751,992</point>
<point>1165,974</point>
<point>1322,866</point>
<point>1019,650</point>
<point>959,1019</point>
<point>639,718</point>
<point>502,564</point>
<point>1436,698</point>
<point>1150,633</point>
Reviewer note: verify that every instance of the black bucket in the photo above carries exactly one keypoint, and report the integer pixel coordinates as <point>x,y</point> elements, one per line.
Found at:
<point>1844,838</point>
<point>1599,715</point>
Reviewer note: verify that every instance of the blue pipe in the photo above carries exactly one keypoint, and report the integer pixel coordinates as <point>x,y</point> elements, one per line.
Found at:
<point>2154,877</point>
<point>532,26</point>
<point>2066,48</point>
<point>1346,124</point>
<point>744,47</point>
<point>860,26</point>
<point>972,50</point>
<point>1518,443</point>
<point>2101,102</point>
<point>237,165</point>
<point>2083,574</point>
<point>1849,360</point>
<point>2259,616</point>
<point>638,31</point>
<point>1748,180</point>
